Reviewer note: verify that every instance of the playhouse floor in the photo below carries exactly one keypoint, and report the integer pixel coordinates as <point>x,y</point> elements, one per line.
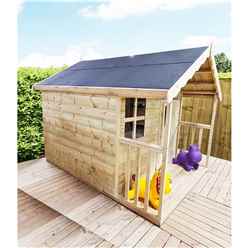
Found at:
<point>57,210</point>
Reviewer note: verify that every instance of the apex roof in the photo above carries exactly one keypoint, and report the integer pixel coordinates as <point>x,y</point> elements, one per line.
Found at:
<point>154,71</point>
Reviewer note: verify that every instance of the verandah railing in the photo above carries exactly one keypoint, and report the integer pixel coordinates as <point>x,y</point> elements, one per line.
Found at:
<point>153,154</point>
<point>194,128</point>
<point>158,157</point>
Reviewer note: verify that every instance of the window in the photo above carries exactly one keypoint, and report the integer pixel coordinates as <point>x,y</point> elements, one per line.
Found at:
<point>129,107</point>
<point>141,107</point>
<point>129,130</point>
<point>140,129</point>
<point>135,117</point>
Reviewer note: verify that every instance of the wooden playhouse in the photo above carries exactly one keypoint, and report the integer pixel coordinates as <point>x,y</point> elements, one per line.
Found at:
<point>109,119</point>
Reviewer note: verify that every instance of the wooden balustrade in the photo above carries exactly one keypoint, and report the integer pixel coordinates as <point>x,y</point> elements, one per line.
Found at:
<point>136,143</point>
<point>153,152</point>
<point>159,155</point>
<point>156,153</point>
<point>194,127</point>
<point>127,173</point>
<point>200,137</point>
<point>200,127</point>
<point>148,179</point>
<point>196,134</point>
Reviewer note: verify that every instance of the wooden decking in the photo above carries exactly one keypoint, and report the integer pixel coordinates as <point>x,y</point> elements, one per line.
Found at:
<point>57,210</point>
<point>40,226</point>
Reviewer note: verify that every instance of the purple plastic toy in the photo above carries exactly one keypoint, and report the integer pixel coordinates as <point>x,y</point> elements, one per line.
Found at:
<point>181,157</point>
<point>189,159</point>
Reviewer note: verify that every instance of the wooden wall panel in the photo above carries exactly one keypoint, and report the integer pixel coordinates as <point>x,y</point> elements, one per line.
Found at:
<point>80,136</point>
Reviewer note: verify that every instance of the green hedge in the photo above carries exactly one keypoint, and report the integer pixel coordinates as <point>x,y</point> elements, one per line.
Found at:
<point>30,139</point>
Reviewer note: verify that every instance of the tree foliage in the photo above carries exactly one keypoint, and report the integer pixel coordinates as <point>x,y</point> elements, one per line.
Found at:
<point>223,63</point>
<point>30,138</point>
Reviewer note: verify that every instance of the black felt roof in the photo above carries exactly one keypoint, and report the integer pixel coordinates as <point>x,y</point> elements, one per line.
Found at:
<point>150,71</point>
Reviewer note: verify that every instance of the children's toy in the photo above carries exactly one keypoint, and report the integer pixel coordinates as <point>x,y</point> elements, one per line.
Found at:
<point>154,188</point>
<point>189,159</point>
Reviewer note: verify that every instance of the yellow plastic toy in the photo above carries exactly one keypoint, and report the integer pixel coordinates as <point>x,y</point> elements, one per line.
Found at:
<point>154,188</point>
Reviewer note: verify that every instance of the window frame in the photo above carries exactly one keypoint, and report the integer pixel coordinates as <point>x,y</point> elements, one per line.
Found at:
<point>135,118</point>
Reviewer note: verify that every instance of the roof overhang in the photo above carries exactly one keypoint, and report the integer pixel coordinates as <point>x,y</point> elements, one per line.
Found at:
<point>167,94</point>
<point>194,68</point>
<point>109,91</point>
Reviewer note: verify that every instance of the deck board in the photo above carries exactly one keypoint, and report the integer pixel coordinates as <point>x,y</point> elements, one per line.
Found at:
<point>137,235</point>
<point>52,201</point>
<point>41,226</point>
<point>126,232</point>
<point>208,224</point>
<point>32,214</point>
<point>182,182</point>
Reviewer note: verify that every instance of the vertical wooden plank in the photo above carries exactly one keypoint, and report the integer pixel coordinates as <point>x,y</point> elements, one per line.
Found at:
<point>185,137</point>
<point>226,106</point>
<point>215,74</point>
<point>194,117</point>
<point>159,156</point>
<point>211,129</point>
<point>228,143</point>
<point>137,176</point>
<point>178,125</point>
<point>148,178</point>
<point>173,131</point>
<point>161,211</point>
<point>192,135</point>
<point>188,109</point>
<point>163,124</point>
<point>161,121</point>
<point>206,115</point>
<point>117,146</point>
<point>127,178</point>
<point>200,138</point>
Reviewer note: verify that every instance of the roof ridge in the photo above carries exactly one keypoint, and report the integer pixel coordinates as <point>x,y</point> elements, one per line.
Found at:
<point>142,54</point>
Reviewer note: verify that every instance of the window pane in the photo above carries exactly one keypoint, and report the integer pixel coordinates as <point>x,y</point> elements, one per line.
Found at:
<point>129,130</point>
<point>129,109</point>
<point>140,129</point>
<point>141,107</point>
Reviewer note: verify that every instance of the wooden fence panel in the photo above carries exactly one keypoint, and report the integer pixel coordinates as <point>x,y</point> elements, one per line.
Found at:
<point>199,108</point>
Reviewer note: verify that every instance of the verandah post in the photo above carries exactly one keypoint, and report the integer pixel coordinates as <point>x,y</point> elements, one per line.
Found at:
<point>179,122</point>
<point>166,141</point>
<point>211,132</point>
